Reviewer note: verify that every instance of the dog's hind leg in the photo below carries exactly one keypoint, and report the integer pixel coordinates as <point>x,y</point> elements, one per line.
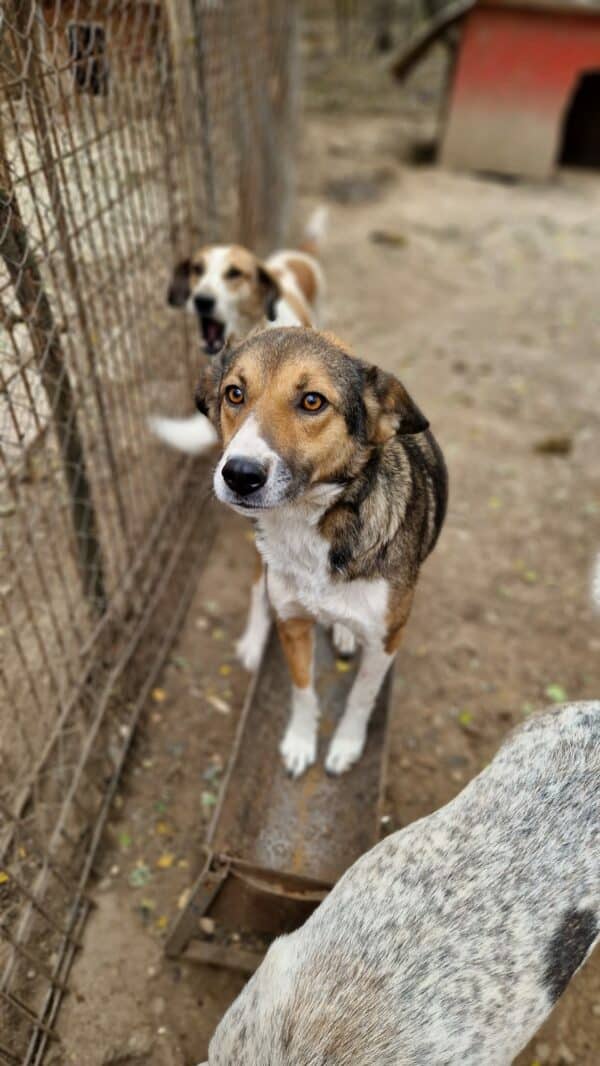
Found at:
<point>299,745</point>
<point>349,738</point>
<point>250,646</point>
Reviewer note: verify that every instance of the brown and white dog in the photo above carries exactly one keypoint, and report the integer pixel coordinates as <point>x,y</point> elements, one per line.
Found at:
<point>347,488</point>
<point>232,292</point>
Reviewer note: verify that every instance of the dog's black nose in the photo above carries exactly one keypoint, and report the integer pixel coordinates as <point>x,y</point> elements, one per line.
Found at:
<point>204,304</point>
<point>244,476</point>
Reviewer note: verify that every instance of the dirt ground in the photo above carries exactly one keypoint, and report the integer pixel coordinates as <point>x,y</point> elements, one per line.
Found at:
<point>483,297</point>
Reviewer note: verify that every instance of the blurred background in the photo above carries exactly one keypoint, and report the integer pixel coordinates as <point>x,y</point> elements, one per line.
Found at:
<point>457,148</point>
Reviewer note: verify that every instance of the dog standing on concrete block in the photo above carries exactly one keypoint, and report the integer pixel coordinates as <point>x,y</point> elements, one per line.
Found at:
<point>449,942</point>
<point>347,486</point>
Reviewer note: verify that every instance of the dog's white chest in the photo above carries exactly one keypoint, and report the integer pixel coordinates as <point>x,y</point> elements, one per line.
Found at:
<point>299,579</point>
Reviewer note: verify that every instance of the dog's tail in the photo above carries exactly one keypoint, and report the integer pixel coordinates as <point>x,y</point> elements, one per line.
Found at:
<point>315,231</point>
<point>195,435</point>
<point>595,588</point>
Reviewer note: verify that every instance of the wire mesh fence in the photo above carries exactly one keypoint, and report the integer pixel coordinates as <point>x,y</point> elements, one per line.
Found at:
<point>130,131</point>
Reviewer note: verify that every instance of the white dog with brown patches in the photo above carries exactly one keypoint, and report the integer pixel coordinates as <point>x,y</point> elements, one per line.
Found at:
<point>232,292</point>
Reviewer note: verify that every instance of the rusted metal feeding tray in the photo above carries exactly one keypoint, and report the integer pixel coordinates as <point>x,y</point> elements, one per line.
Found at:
<point>275,845</point>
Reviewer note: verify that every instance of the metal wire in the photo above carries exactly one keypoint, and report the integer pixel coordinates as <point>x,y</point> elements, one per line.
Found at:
<point>130,131</point>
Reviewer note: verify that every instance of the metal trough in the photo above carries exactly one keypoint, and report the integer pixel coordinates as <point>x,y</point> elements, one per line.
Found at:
<point>276,846</point>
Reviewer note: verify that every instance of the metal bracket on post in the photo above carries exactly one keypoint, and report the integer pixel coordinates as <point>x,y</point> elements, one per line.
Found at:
<point>203,892</point>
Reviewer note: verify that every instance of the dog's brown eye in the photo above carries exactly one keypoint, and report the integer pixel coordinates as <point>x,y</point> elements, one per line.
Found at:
<point>197,269</point>
<point>312,401</point>
<point>234,395</point>
<point>233,272</point>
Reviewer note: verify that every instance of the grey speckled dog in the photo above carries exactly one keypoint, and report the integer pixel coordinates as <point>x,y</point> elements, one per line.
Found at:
<point>449,943</point>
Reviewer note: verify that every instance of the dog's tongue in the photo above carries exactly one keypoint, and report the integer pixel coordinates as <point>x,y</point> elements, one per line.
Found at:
<point>213,331</point>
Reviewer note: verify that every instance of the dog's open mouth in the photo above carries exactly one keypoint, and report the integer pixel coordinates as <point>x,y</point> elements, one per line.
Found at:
<point>213,334</point>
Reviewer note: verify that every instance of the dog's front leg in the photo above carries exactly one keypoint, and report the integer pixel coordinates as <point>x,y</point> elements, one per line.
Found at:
<point>250,646</point>
<point>349,738</point>
<point>299,745</point>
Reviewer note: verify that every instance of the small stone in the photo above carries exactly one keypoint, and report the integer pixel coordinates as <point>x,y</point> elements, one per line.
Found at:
<point>596,1010</point>
<point>542,1052</point>
<point>426,761</point>
<point>151,972</point>
<point>560,444</point>
<point>457,761</point>
<point>139,1044</point>
<point>565,1055</point>
<point>158,1005</point>
<point>207,925</point>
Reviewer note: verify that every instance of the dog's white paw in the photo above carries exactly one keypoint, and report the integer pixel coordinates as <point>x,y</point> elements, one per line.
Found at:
<point>344,641</point>
<point>249,649</point>
<point>298,750</point>
<point>345,749</point>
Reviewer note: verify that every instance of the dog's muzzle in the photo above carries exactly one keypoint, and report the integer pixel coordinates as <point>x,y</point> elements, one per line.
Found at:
<point>244,476</point>
<point>212,330</point>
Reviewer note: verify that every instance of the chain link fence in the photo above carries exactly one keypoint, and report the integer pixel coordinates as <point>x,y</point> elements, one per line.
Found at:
<point>130,131</point>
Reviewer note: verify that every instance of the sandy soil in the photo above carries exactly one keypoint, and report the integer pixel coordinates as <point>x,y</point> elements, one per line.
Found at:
<point>482,297</point>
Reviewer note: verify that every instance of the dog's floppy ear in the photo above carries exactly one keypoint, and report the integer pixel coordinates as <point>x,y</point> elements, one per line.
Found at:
<point>179,288</point>
<point>206,396</point>
<point>270,289</point>
<point>390,409</point>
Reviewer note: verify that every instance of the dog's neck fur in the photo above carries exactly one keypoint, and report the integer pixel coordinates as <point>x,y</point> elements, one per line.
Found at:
<point>357,515</point>
<point>361,517</point>
<point>299,574</point>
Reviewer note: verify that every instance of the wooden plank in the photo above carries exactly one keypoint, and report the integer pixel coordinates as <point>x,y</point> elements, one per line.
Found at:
<point>231,958</point>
